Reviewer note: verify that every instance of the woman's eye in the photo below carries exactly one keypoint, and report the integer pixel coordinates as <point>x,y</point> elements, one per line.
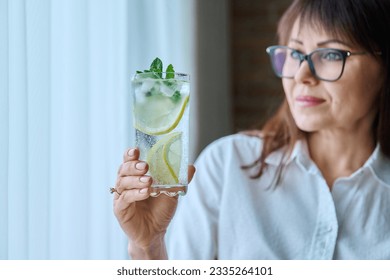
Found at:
<point>331,56</point>
<point>295,55</point>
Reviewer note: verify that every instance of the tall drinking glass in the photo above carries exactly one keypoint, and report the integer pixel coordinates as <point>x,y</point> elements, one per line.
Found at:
<point>161,122</point>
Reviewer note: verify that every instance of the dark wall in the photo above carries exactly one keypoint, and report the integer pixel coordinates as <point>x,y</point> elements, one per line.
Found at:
<point>256,91</point>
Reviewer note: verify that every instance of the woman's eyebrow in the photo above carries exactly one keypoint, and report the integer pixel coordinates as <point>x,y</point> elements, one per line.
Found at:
<point>322,43</point>
<point>333,41</point>
<point>296,41</point>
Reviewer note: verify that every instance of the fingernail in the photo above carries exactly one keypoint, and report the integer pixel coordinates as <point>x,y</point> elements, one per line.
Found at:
<point>140,165</point>
<point>131,152</point>
<point>144,190</point>
<point>144,179</point>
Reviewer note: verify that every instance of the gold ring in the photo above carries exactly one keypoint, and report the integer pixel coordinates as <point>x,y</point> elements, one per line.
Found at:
<point>112,190</point>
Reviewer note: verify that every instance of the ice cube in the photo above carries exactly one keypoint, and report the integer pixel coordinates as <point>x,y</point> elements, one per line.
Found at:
<point>147,85</point>
<point>139,95</point>
<point>168,88</point>
<point>185,88</point>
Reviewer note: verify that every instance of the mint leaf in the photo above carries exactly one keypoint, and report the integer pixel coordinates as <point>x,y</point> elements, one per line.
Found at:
<point>170,72</point>
<point>148,74</point>
<point>152,75</point>
<point>168,83</point>
<point>176,96</point>
<point>156,69</point>
<point>157,66</point>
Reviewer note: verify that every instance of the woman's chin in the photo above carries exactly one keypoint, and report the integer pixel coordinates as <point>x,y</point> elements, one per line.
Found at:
<point>308,126</point>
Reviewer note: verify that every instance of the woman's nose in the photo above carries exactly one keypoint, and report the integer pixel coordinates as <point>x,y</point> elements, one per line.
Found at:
<point>304,74</point>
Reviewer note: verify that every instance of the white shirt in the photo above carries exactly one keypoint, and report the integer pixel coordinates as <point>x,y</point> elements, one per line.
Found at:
<point>228,215</point>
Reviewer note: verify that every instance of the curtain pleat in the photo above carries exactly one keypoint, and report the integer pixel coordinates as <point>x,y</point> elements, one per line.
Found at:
<point>69,137</point>
<point>4,128</point>
<point>37,16</point>
<point>18,156</point>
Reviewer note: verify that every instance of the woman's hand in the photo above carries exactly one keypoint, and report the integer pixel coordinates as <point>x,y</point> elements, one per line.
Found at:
<point>144,219</point>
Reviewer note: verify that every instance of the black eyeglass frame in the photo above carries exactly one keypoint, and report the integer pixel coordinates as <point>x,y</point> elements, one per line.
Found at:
<point>302,57</point>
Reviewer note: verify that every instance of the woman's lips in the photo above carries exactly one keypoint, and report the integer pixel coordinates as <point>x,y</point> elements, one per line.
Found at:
<point>308,101</point>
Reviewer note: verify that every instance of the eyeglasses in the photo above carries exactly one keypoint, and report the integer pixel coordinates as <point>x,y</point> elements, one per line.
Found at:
<point>325,64</point>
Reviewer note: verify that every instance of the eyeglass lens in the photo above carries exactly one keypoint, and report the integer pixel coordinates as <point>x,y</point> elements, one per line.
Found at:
<point>326,64</point>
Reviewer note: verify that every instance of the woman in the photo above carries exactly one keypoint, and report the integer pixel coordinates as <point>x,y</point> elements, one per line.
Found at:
<point>316,184</point>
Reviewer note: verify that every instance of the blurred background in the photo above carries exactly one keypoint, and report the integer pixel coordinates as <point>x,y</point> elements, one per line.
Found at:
<point>65,69</point>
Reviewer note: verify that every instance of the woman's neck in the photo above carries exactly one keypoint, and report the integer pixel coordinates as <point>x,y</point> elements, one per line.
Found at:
<point>339,153</point>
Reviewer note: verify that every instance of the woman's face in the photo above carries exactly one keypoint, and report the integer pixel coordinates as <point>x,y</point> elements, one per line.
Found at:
<point>347,103</point>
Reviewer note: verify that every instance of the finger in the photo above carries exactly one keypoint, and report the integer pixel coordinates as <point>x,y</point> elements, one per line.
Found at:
<point>130,196</point>
<point>116,195</point>
<point>133,182</point>
<point>131,154</point>
<point>133,168</point>
<point>191,172</point>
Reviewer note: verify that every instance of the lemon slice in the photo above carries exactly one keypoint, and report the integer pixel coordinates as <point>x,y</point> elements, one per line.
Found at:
<point>164,159</point>
<point>159,114</point>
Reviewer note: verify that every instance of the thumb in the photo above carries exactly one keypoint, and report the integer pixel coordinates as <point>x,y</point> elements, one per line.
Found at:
<point>191,172</point>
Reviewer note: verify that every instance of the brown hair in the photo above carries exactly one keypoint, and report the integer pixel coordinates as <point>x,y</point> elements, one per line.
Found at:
<point>364,22</point>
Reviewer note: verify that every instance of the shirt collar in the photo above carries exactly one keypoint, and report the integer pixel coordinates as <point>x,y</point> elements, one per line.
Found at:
<point>281,156</point>
<point>301,155</point>
<point>378,163</point>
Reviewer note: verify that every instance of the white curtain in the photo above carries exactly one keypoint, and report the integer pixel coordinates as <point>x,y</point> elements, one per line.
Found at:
<point>65,69</point>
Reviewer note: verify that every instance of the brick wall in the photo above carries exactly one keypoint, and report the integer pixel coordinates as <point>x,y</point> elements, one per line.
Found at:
<point>256,91</point>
